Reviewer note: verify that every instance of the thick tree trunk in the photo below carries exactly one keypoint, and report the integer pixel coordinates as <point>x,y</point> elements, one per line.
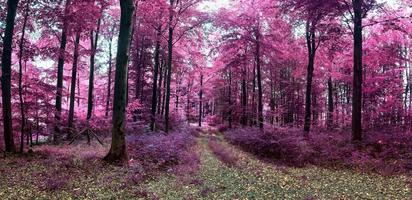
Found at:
<point>311,45</point>
<point>60,71</point>
<point>118,151</point>
<point>259,81</point>
<point>169,67</point>
<point>155,77</point>
<point>73,81</point>
<point>330,104</point>
<point>357,73</point>
<point>21,48</point>
<point>6,75</point>
<point>201,100</point>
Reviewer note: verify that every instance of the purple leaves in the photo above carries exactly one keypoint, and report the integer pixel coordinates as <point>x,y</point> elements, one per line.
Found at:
<point>160,152</point>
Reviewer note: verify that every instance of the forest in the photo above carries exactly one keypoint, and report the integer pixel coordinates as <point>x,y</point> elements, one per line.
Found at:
<point>206,99</point>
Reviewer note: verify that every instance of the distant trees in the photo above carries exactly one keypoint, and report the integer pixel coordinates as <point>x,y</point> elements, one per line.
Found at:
<point>242,65</point>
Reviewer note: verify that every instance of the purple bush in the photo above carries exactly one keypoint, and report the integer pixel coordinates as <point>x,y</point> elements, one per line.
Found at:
<point>385,153</point>
<point>159,152</point>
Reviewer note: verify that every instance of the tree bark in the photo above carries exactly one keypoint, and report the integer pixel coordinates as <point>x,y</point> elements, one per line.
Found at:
<point>159,101</point>
<point>73,81</point>
<point>357,72</point>
<point>94,38</point>
<point>155,77</point>
<point>311,45</point>
<point>60,71</point>
<point>201,100</point>
<point>109,81</point>
<point>330,104</point>
<point>21,48</point>
<point>169,67</point>
<point>230,98</point>
<point>6,75</point>
<point>259,81</point>
<point>118,151</point>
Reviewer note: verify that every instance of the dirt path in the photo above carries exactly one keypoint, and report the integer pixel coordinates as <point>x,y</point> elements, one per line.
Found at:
<point>252,179</point>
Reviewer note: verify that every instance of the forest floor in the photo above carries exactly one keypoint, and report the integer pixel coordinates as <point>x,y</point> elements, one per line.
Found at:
<point>58,173</point>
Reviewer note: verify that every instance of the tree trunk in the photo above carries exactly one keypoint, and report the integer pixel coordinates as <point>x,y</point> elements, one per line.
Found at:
<point>330,104</point>
<point>159,101</point>
<point>357,73</point>
<point>6,75</point>
<point>60,71</point>
<point>21,46</point>
<point>93,42</point>
<point>230,98</point>
<point>244,98</point>
<point>253,106</point>
<point>109,84</point>
<point>73,80</point>
<point>164,91</point>
<point>118,151</point>
<point>310,40</point>
<point>169,67</point>
<point>259,81</point>
<point>201,100</point>
<point>155,76</point>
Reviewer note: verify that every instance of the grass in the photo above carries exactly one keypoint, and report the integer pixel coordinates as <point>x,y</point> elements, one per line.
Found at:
<point>77,174</point>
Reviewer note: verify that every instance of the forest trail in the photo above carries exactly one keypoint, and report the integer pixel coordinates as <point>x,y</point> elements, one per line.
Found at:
<point>224,172</point>
<point>251,178</point>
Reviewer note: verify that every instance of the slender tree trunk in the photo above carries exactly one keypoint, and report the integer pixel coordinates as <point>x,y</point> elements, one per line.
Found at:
<point>73,81</point>
<point>357,73</point>
<point>164,91</point>
<point>169,67</point>
<point>189,88</point>
<point>259,81</point>
<point>6,75</point>
<point>244,98</point>
<point>230,98</point>
<point>201,100</point>
<point>21,48</point>
<point>118,151</point>
<point>128,60</point>
<point>155,76</point>
<point>272,99</point>
<point>159,101</point>
<point>310,40</point>
<point>109,82</point>
<point>78,91</point>
<point>253,106</point>
<point>60,71</point>
<point>330,104</point>
<point>94,38</point>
